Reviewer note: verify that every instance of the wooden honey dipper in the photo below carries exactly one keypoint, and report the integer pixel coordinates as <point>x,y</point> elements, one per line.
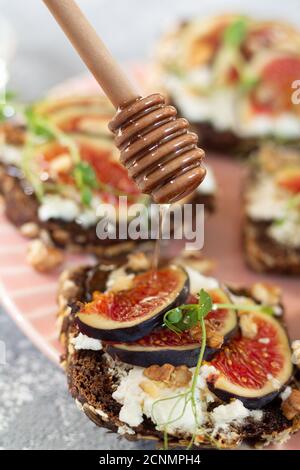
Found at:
<point>157,148</point>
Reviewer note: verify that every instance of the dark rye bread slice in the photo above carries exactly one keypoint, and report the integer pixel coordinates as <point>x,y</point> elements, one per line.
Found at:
<point>21,207</point>
<point>224,142</point>
<point>263,254</point>
<point>92,377</point>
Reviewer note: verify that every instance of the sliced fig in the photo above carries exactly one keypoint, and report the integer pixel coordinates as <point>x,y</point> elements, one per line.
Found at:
<point>130,314</point>
<point>163,345</point>
<point>254,368</point>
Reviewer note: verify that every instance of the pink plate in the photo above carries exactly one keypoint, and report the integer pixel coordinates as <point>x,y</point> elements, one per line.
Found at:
<point>29,297</point>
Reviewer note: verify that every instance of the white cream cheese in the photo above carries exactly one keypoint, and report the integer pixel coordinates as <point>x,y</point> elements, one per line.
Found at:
<point>167,407</point>
<point>265,201</point>
<point>286,393</point>
<point>57,207</point>
<point>288,231</point>
<point>54,206</point>
<point>199,101</point>
<point>296,352</point>
<point>85,342</point>
<point>136,403</point>
<point>198,281</point>
<point>119,280</point>
<point>233,413</point>
<point>10,154</point>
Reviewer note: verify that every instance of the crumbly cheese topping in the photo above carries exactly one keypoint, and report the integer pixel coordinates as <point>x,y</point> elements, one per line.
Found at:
<point>85,342</point>
<point>286,393</point>
<point>136,395</point>
<point>119,280</point>
<point>296,352</point>
<point>287,232</point>
<point>198,281</point>
<point>266,201</point>
<point>138,399</point>
<point>233,413</point>
<point>10,154</point>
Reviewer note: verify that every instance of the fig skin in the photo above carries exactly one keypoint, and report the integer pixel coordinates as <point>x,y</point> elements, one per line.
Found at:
<point>144,358</point>
<point>176,356</point>
<point>142,327</point>
<point>267,393</point>
<point>250,403</point>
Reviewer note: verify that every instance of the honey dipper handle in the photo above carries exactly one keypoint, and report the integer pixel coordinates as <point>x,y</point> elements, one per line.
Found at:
<point>93,51</point>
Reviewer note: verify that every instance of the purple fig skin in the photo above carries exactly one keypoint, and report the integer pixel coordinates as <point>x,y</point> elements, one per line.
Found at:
<point>160,356</point>
<point>250,403</point>
<point>141,328</point>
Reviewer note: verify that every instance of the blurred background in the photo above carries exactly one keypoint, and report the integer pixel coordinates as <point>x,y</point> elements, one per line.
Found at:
<point>35,409</point>
<point>129,27</point>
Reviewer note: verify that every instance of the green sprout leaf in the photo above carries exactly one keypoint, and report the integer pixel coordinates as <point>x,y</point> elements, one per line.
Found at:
<point>235,33</point>
<point>205,303</point>
<point>86,180</point>
<point>175,315</point>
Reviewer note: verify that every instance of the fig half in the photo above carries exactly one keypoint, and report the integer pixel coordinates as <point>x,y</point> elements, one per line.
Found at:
<point>163,345</point>
<point>130,314</point>
<point>254,369</point>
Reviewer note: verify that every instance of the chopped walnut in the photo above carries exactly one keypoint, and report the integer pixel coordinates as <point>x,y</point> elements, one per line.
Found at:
<point>42,257</point>
<point>30,230</point>
<point>291,406</point>
<point>248,326</point>
<point>150,388</point>
<point>172,376</point>
<point>266,293</point>
<point>138,262</point>
<point>214,339</point>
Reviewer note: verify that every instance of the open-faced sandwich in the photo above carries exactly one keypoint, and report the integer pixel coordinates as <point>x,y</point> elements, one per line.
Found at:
<point>232,77</point>
<point>272,210</point>
<point>177,357</point>
<point>58,164</point>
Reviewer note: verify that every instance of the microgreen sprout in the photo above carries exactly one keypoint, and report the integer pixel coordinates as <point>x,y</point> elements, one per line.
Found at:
<point>235,33</point>
<point>183,318</point>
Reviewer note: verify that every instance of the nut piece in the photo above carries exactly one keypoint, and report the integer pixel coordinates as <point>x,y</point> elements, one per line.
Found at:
<point>169,375</point>
<point>266,293</point>
<point>42,257</point>
<point>150,388</point>
<point>30,230</point>
<point>214,339</point>
<point>291,406</point>
<point>248,326</point>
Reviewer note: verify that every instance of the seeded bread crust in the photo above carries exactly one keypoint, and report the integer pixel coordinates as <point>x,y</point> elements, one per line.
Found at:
<point>92,378</point>
<point>263,254</point>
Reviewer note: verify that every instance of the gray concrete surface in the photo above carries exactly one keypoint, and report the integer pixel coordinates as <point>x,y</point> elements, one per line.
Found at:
<point>35,410</point>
